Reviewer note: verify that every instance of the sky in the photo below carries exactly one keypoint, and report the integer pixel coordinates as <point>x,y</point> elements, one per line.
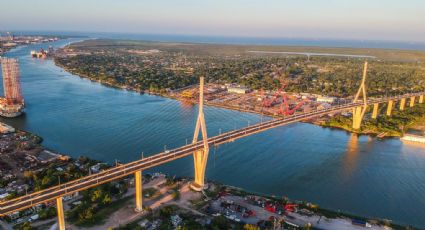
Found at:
<point>394,20</point>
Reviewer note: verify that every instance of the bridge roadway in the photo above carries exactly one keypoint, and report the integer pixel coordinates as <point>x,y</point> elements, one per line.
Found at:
<point>123,170</point>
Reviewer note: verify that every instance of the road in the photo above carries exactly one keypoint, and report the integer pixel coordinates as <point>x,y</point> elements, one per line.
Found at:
<point>123,170</point>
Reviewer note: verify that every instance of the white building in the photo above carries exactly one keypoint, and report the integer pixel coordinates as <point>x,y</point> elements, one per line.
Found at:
<point>237,89</point>
<point>329,100</point>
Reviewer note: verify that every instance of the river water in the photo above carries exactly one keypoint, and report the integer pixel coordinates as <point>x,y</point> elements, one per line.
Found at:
<point>335,169</point>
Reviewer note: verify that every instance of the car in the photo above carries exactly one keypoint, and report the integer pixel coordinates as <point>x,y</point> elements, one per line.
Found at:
<point>33,218</point>
<point>19,221</point>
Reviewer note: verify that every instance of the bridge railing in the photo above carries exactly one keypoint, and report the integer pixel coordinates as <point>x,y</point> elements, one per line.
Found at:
<point>163,157</point>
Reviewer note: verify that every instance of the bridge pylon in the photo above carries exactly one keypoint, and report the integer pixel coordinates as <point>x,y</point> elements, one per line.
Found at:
<point>359,112</point>
<point>390,107</point>
<point>412,101</point>
<point>139,190</point>
<point>421,99</point>
<point>200,156</point>
<point>60,213</point>
<point>375,110</point>
<point>402,104</point>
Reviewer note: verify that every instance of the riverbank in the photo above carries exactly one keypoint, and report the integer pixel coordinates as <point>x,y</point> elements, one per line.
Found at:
<point>109,124</point>
<point>164,95</point>
<point>13,42</point>
<point>114,198</point>
<point>384,126</point>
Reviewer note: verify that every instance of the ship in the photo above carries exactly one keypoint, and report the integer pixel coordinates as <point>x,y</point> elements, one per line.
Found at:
<point>42,53</point>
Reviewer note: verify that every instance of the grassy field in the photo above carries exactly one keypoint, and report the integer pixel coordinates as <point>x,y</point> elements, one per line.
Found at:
<point>223,49</point>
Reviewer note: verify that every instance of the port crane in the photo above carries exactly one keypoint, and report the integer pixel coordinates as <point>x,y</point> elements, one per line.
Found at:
<point>285,108</point>
<point>284,105</point>
<point>269,102</point>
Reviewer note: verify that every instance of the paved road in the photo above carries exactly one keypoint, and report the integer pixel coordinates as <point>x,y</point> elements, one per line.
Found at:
<point>298,219</point>
<point>120,171</point>
<point>4,226</point>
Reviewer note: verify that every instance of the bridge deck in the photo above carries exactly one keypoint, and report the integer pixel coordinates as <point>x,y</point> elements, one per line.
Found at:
<point>123,170</point>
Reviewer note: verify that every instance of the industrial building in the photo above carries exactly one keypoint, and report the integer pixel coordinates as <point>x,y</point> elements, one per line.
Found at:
<point>237,89</point>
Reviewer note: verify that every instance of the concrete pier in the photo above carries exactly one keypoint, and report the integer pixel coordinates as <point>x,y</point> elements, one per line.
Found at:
<point>390,108</point>
<point>139,191</point>
<point>375,111</point>
<point>402,104</point>
<point>412,102</point>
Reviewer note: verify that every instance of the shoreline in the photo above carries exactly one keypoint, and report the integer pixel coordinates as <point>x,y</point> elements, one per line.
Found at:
<point>215,194</point>
<point>43,39</point>
<point>313,122</point>
<point>171,98</point>
<point>127,89</point>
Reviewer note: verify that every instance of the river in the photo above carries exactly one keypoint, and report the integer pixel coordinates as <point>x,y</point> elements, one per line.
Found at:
<point>335,169</point>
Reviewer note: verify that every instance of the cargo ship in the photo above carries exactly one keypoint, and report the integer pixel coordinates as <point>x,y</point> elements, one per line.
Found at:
<point>42,53</point>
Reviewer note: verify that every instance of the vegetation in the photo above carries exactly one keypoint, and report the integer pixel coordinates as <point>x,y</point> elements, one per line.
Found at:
<point>24,226</point>
<point>176,193</point>
<point>47,213</point>
<point>150,192</point>
<point>188,221</point>
<point>98,204</point>
<point>50,175</point>
<point>156,67</point>
<point>394,125</point>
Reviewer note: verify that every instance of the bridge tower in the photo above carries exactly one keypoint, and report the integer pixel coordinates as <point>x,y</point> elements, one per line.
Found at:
<point>358,112</point>
<point>200,156</point>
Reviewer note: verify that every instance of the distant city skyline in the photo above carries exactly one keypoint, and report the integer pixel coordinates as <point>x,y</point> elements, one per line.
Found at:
<point>392,20</point>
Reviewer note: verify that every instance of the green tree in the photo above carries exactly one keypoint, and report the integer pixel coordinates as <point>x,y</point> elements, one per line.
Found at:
<point>26,226</point>
<point>87,214</point>
<point>250,227</point>
<point>106,199</point>
<point>96,195</point>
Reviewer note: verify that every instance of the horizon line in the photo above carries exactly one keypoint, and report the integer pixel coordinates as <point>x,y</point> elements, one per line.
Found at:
<point>222,36</point>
